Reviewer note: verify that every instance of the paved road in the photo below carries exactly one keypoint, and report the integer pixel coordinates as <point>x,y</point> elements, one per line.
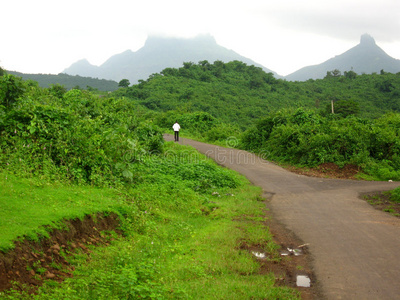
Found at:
<point>356,249</point>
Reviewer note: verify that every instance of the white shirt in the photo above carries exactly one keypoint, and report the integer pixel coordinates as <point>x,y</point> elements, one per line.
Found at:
<point>176,127</point>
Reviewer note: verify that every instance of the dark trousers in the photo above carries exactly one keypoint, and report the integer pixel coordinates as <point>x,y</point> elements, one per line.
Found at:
<point>176,136</point>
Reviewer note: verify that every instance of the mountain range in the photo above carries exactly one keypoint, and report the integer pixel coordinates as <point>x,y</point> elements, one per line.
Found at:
<point>159,53</point>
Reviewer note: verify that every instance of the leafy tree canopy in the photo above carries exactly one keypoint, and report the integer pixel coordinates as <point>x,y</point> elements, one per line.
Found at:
<point>238,94</point>
<point>11,88</point>
<point>124,83</point>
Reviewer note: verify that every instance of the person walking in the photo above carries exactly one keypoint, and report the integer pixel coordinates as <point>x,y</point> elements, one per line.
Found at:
<point>176,128</point>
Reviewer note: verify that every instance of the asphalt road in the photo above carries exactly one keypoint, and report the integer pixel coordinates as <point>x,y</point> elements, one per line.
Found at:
<point>355,248</point>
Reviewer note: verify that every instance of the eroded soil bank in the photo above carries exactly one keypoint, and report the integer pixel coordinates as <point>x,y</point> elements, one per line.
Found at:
<point>31,262</point>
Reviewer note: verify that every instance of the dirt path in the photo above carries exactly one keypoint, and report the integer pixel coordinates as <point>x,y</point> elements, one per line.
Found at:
<point>355,248</point>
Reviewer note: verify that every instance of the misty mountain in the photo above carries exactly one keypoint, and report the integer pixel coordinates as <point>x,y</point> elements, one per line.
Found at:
<point>366,57</point>
<point>157,54</point>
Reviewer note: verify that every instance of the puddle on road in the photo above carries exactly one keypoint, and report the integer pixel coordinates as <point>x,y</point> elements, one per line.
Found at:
<point>285,253</point>
<point>303,281</point>
<point>258,254</point>
<point>290,251</point>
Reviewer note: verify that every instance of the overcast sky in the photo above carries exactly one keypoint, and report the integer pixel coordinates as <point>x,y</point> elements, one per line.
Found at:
<point>47,36</point>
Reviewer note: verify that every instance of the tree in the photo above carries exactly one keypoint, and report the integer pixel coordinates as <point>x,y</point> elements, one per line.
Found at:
<point>11,88</point>
<point>57,90</point>
<point>350,74</point>
<point>334,73</point>
<point>347,107</point>
<point>124,83</point>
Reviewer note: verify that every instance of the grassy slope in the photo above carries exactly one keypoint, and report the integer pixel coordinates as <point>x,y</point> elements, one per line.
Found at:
<point>26,205</point>
<point>179,243</point>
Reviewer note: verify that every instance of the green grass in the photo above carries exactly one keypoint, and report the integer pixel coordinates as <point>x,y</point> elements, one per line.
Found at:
<point>28,205</point>
<point>179,242</point>
<point>182,257</point>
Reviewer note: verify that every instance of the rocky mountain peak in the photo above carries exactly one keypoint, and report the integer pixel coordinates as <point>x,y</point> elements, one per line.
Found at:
<point>366,39</point>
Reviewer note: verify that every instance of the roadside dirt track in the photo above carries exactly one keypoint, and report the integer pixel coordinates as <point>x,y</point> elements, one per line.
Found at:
<point>355,248</point>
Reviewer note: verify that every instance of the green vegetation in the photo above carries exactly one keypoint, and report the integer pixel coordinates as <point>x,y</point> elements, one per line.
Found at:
<point>79,137</point>
<point>65,154</point>
<point>395,195</point>
<point>237,94</point>
<point>124,83</point>
<point>182,242</point>
<point>305,138</point>
<point>69,81</point>
<point>290,122</point>
<point>27,206</point>
<point>387,201</point>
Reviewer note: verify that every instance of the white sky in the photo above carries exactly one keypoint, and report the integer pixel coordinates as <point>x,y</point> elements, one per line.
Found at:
<point>47,36</point>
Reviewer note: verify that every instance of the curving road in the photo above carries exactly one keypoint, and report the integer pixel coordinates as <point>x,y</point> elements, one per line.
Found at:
<point>355,248</point>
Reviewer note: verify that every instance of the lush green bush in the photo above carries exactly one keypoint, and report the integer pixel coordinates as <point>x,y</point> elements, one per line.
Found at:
<point>75,136</point>
<point>180,215</point>
<point>303,137</point>
<point>11,88</point>
<point>395,195</point>
<point>237,94</point>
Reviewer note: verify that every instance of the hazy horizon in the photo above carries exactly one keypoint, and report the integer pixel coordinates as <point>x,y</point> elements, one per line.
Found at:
<point>47,37</point>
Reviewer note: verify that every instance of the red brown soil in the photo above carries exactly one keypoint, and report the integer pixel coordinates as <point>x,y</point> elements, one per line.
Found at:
<point>328,170</point>
<point>286,268</point>
<point>32,262</point>
<point>381,201</point>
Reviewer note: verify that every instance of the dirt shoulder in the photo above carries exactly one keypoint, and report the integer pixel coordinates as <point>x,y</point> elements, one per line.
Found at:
<point>32,262</point>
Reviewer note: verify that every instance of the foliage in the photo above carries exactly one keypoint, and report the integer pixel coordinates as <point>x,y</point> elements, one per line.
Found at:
<point>75,136</point>
<point>65,154</point>
<point>238,94</point>
<point>182,217</point>
<point>304,137</point>
<point>181,214</point>
<point>11,88</point>
<point>395,195</point>
<point>124,83</point>
<point>216,101</point>
<point>208,88</point>
<point>346,107</point>
<point>29,208</point>
<point>69,81</point>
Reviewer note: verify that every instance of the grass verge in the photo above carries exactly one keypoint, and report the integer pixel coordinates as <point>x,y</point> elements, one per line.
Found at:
<point>183,238</point>
<point>29,207</point>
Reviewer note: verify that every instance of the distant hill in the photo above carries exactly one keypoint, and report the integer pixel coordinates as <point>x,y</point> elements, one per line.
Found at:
<point>70,82</point>
<point>157,54</point>
<point>366,57</point>
<point>238,94</point>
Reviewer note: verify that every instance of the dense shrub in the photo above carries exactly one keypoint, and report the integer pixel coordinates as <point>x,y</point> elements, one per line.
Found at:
<point>75,136</point>
<point>305,138</point>
<point>395,195</point>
